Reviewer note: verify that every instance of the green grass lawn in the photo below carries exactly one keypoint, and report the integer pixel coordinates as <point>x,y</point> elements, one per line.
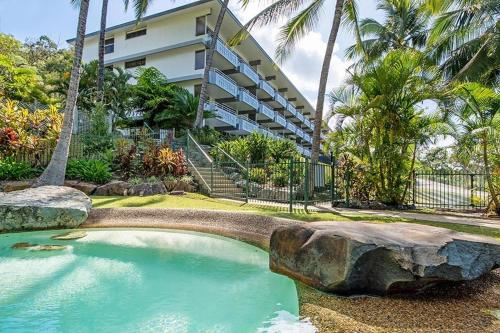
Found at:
<point>198,201</point>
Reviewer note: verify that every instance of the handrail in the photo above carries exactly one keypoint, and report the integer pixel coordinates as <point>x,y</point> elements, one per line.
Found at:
<point>232,158</point>
<point>199,148</point>
<point>199,174</point>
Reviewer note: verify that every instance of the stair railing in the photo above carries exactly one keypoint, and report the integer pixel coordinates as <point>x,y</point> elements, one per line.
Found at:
<point>193,150</point>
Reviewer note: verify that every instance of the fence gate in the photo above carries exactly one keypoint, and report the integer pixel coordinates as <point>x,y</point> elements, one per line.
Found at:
<point>450,190</point>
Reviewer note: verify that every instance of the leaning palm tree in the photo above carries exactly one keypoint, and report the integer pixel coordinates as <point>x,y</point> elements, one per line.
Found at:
<point>465,39</point>
<point>198,123</point>
<point>405,26</point>
<point>55,172</point>
<point>302,17</point>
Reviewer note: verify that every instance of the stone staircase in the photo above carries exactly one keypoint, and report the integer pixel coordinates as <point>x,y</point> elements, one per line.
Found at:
<point>213,179</point>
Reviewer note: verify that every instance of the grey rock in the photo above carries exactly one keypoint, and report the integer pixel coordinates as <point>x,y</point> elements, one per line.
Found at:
<point>15,185</point>
<point>146,189</point>
<point>116,187</point>
<point>86,188</point>
<point>358,258</point>
<point>43,207</point>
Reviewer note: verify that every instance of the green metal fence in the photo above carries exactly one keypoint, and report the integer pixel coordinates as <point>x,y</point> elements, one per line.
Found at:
<point>450,190</point>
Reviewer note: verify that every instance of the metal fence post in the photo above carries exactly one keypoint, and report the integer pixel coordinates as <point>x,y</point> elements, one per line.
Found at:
<point>290,190</point>
<point>414,188</point>
<point>471,189</point>
<point>211,177</point>
<point>332,182</point>
<point>306,184</point>
<point>247,186</point>
<point>347,187</point>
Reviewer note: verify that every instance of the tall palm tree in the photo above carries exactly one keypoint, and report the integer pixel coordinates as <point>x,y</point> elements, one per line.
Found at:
<point>465,39</point>
<point>208,64</point>
<point>302,17</point>
<point>102,38</point>
<point>55,172</point>
<point>405,26</point>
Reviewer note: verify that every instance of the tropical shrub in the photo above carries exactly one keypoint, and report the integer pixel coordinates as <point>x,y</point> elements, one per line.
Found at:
<point>10,169</point>
<point>280,178</point>
<point>257,175</point>
<point>207,135</point>
<point>162,161</point>
<point>94,171</point>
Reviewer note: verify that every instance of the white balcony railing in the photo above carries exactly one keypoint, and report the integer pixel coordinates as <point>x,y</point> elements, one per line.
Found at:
<point>267,87</point>
<point>266,110</point>
<point>307,137</point>
<point>249,72</point>
<point>223,113</point>
<point>300,133</point>
<point>280,120</point>
<point>291,127</point>
<point>306,152</point>
<point>248,98</point>
<point>223,81</point>
<point>307,122</point>
<point>292,109</point>
<point>300,116</point>
<point>224,50</point>
<point>248,125</point>
<point>280,99</point>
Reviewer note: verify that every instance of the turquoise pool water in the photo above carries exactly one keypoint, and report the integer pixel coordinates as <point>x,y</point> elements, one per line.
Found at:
<point>142,281</point>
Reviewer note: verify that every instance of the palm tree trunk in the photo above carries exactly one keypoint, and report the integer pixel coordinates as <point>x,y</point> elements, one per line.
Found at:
<point>56,170</point>
<point>491,187</point>
<point>102,37</point>
<point>209,57</point>
<point>318,117</point>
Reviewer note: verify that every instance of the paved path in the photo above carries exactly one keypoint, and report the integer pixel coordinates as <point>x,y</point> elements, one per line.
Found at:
<point>459,219</point>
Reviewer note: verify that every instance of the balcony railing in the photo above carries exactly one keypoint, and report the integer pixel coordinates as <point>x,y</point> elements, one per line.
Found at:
<point>268,88</point>
<point>300,116</point>
<point>248,98</point>
<point>280,99</point>
<point>307,138</point>
<point>306,152</point>
<point>292,109</point>
<point>266,110</point>
<point>222,112</point>
<point>266,132</point>
<point>223,81</point>
<point>248,125</point>
<point>300,133</point>
<point>280,119</point>
<point>307,122</point>
<point>224,51</point>
<point>249,72</point>
<point>291,127</point>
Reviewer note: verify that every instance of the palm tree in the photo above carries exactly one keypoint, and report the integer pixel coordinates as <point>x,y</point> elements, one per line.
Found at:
<point>102,38</point>
<point>465,39</point>
<point>56,170</point>
<point>405,26</point>
<point>477,109</point>
<point>198,123</point>
<point>385,127</point>
<point>306,18</point>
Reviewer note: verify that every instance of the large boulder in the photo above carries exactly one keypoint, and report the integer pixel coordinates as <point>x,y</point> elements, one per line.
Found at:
<point>43,207</point>
<point>87,188</point>
<point>15,185</point>
<point>147,189</point>
<point>358,258</point>
<point>115,187</point>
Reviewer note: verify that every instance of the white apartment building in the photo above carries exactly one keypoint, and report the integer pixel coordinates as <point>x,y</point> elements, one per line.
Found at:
<point>247,91</point>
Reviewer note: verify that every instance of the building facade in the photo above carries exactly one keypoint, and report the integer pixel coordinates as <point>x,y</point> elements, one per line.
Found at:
<point>247,90</point>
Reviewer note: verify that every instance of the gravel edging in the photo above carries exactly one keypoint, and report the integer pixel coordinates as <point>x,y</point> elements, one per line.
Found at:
<point>463,307</point>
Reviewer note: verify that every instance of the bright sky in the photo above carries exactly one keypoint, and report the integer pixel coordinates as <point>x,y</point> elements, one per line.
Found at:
<point>57,19</point>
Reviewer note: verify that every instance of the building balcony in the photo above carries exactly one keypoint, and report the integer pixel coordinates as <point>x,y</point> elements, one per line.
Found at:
<point>306,152</point>
<point>267,88</point>
<point>266,132</point>
<point>225,52</point>
<point>300,116</point>
<point>307,138</point>
<point>248,126</point>
<point>266,110</point>
<point>248,98</point>
<point>249,72</point>
<point>225,117</point>
<point>291,127</point>
<point>224,83</point>
<point>280,99</point>
<point>300,133</point>
<point>290,108</point>
<point>279,119</point>
<point>307,122</point>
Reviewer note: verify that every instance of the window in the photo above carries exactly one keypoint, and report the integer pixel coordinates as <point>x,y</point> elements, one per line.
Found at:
<point>201,25</point>
<point>199,59</point>
<point>136,33</point>
<point>135,63</point>
<point>109,45</point>
<point>197,90</point>
<point>109,67</point>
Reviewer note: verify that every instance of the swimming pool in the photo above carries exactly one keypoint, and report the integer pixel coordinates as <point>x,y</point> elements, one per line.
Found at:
<point>142,281</point>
